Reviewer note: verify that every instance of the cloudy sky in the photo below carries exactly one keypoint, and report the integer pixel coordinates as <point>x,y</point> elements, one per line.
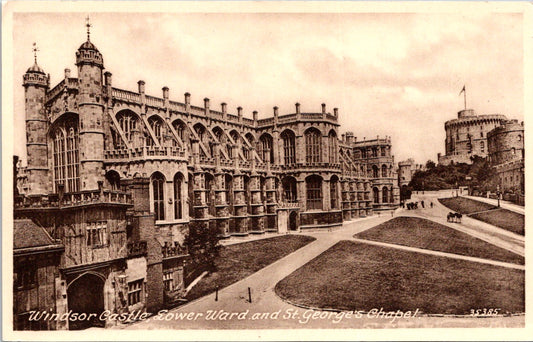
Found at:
<point>392,74</point>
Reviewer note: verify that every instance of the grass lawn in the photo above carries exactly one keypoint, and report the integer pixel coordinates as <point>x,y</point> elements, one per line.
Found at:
<point>502,218</point>
<point>498,217</point>
<point>240,260</point>
<point>422,233</point>
<point>357,276</point>
<point>465,205</point>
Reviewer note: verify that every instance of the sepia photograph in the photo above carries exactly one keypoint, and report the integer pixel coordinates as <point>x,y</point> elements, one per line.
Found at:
<point>264,170</point>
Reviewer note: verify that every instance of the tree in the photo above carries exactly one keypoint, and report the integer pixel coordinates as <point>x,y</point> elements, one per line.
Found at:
<point>430,164</point>
<point>203,244</point>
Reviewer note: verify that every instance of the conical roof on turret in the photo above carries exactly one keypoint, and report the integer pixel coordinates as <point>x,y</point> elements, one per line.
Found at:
<point>35,68</point>
<point>88,46</point>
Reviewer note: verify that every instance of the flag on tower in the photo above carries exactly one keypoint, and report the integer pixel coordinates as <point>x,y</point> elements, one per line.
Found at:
<point>462,90</point>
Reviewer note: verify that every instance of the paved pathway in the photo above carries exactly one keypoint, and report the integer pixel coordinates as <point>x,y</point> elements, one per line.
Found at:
<point>275,313</point>
<point>443,254</point>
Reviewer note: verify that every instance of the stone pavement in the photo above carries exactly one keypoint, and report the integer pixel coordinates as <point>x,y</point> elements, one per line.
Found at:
<point>234,311</point>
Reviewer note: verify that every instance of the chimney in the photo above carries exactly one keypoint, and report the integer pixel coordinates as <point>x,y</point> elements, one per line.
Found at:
<point>239,113</point>
<point>165,93</point>
<point>297,108</point>
<point>187,98</point>
<point>254,113</point>
<point>224,107</point>
<point>275,115</point>
<point>206,106</point>
<point>343,136</point>
<point>67,73</point>
<point>336,112</point>
<point>323,108</point>
<point>107,77</point>
<point>349,137</point>
<point>141,86</point>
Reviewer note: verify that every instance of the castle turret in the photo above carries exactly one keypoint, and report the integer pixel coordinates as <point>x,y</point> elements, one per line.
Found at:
<point>91,113</point>
<point>36,83</point>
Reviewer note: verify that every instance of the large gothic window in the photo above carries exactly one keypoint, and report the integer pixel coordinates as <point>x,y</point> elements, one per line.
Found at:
<point>157,126</point>
<point>385,195</point>
<point>314,192</point>
<point>332,146</point>
<point>384,171</point>
<point>333,186</point>
<point>128,124</point>
<point>289,190</point>
<point>289,147</point>
<point>312,145</point>
<point>265,148</point>
<point>178,181</point>
<point>158,185</point>
<point>210,193</point>
<point>66,156</point>
<point>180,128</point>
<point>375,192</point>
<point>375,171</point>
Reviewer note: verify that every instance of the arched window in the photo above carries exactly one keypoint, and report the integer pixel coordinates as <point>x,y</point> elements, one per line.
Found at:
<point>178,181</point>
<point>385,195</point>
<point>384,171</point>
<point>66,156</point>
<point>332,146</point>
<point>375,192</point>
<point>383,151</point>
<point>375,171</point>
<point>113,178</point>
<point>210,193</point>
<point>363,153</point>
<point>228,182</point>
<point>314,192</point>
<point>266,152</point>
<point>513,150</point>
<point>333,186</point>
<point>391,196</point>
<point>180,128</point>
<point>127,122</point>
<point>156,124</point>
<point>374,152</point>
<point>312,145</point>
<point>482,146</point>
<point>158,195</point>
<point>289,147</point>
<point>289,189</point>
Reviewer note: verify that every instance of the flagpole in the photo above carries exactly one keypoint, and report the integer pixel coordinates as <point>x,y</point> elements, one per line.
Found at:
<point>464,95</point>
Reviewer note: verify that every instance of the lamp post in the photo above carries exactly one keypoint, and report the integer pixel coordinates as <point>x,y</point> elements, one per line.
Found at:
<point>498,194</point>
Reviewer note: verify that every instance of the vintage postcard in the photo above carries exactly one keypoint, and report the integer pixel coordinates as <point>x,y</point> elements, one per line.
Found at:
<point>265,170</point>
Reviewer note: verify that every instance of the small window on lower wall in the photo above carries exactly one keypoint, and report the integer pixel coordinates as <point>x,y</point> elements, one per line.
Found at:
<point>135,289</point>
<point>168,281</point>
<point>97,234</point>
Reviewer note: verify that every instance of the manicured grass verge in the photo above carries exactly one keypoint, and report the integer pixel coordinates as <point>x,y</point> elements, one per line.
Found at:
<point>505,219</point>
<point>465,205</point>
<point>240,260</point>
<point>422,233</point>
<point>498,217</point>
<point>357,276</point>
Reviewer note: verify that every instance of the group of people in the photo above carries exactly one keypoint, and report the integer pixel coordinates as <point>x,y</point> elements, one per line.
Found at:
<point>414,205</point>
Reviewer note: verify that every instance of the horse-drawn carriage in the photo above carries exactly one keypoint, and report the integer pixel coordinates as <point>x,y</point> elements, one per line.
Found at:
<point>454,217</point>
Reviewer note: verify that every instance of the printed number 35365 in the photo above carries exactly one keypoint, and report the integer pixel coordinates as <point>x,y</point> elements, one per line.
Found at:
<point>484,312</point>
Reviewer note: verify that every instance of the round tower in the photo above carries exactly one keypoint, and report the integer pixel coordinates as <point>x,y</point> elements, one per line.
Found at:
<point>36,83</point>
<point>91,113</point>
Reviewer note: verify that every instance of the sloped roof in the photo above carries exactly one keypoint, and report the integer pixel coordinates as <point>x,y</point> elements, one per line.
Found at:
<point>27,234</point>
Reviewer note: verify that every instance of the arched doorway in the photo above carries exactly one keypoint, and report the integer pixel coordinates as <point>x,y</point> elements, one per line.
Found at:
<point>86,296</point>
<point>293,217</point>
